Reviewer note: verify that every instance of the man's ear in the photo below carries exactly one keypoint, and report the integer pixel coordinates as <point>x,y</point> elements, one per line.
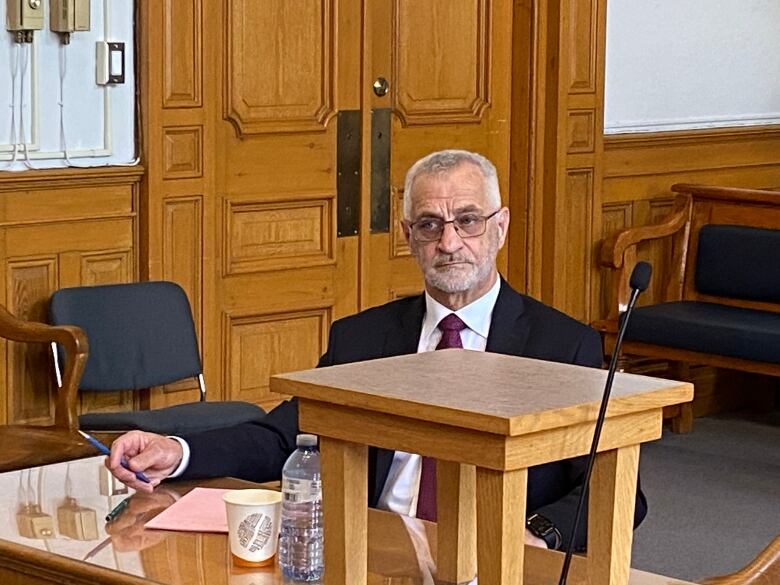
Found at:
<point>502,221</point>
<point>407,231</point>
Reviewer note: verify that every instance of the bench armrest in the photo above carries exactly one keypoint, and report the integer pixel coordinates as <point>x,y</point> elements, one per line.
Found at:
<point>614,248</point>
<point>73,339</point>
<point>618,252</point>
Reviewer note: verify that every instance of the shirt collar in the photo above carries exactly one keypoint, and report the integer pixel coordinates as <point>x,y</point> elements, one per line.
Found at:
<point>476,315</point>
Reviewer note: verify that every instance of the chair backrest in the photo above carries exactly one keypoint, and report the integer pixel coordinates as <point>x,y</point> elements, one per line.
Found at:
<point>738,261</point>
<point>728,255</point>
<point>140,334</point>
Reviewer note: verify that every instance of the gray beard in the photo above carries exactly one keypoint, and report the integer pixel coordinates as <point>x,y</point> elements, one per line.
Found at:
<point>457,280</point>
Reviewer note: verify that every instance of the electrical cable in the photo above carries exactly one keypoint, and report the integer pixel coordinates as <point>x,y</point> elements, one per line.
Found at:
<point>22,137</point>
<point>14,136</point>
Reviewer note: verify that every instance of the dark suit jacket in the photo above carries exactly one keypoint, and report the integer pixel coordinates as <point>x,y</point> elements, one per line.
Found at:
<point>520,326</point>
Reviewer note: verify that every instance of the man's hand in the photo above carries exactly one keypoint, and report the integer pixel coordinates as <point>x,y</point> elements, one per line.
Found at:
<point>534,540</point>
<point>154,455</point>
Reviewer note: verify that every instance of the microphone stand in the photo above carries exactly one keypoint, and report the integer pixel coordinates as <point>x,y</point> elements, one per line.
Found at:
<point>640,278</point>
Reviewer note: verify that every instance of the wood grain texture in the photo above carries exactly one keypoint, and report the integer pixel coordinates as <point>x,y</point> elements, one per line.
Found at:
<point>611,501</point>
<point>452,84</point>
<point>258,346</point>
<point>469,446</point>
<point>481,391</point>
<point>345,496</point>
<point>280,67</point>
<point>456,519</point>
<point>183,53</point>
<point>501,526</point>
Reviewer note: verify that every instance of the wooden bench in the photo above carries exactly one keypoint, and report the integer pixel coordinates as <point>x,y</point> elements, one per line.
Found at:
<point>720,299</point>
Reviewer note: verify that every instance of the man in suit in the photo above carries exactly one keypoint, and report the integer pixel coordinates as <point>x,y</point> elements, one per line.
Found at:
<point>455,225</point>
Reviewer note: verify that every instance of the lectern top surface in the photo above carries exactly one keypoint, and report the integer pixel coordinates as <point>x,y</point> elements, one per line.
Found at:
<point>484,391</point>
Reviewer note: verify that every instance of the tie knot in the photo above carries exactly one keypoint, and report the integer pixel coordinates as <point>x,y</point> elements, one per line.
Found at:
<point>452,323</point>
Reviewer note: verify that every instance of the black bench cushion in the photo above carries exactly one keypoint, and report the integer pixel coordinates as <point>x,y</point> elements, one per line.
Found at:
<point>709,328</point>
<point>738,261</point>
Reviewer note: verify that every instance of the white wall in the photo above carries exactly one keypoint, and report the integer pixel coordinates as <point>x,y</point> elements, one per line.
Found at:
<point>679,64</point>
<point>99,120</point>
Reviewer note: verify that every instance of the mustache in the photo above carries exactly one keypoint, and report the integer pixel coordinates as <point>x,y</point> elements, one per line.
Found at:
<point>442,259</point>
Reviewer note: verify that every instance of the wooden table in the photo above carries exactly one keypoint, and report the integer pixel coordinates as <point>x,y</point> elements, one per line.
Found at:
<point>132,555</point>
<point>487,418</point>
<point>22,447</point>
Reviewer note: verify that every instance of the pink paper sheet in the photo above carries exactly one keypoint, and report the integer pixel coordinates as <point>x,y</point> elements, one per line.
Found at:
<point>201,510</point>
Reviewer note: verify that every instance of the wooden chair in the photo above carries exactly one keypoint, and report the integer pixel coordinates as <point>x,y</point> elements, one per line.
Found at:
<point>719,301</point>
<point>30,446</point>
<point>74,340</point>
<point>763,570</point>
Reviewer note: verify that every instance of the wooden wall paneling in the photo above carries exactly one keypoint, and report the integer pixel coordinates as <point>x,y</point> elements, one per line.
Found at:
<point>526,148</point>
<point>180,98</point>
<point>289,233</point>
<point>273,86</point>
<point>461,90</point>
<point>182,34</point>
<point>574,157</point>
<point>107,267</point>
<point>261,345</point>
<point>29,283</point>
<point>577,232</point>
<point>183,152</point>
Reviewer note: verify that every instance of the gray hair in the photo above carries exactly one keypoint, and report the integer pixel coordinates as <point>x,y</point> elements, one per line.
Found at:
<point>444,161</point>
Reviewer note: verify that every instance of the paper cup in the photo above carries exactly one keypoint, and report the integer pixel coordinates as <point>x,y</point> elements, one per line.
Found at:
<point>253,525</point>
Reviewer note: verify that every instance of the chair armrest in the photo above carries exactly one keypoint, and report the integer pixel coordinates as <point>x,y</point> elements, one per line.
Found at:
<point>73,339</point>
<point>618,252</point>
<point>614,248</point>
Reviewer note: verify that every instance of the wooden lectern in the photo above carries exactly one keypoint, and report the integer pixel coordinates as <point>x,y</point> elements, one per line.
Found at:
<point>487,418</point>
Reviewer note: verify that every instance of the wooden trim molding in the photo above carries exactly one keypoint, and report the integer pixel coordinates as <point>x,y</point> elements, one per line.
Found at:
<point>72,177</point>
<point>679,137</point>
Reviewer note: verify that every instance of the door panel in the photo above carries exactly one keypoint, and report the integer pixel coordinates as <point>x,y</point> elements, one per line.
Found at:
<point>281,265</point>
<point>448,66</point>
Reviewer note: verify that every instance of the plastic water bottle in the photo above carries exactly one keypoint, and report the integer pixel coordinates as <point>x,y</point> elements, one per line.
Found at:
<point>301,538</point>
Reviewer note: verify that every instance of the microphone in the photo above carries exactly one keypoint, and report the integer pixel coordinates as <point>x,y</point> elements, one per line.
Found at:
<point>640,279</point>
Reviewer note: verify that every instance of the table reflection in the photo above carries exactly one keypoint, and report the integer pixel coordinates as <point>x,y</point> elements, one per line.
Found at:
<point>61,508</point>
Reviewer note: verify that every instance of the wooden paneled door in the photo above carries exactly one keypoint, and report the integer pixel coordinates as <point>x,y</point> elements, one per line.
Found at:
<point>275,180</point>
<point>446,66</point>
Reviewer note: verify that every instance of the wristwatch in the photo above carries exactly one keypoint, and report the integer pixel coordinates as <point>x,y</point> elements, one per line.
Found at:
<point>543,528</point>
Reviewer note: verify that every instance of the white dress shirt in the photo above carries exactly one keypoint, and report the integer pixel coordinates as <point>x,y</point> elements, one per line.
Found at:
<point>403,482</point>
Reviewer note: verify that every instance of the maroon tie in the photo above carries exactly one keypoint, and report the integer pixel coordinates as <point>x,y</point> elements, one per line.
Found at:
<point>450,327</point>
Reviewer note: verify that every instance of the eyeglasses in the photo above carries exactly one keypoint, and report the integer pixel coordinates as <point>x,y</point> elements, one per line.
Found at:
<point>467,225</point>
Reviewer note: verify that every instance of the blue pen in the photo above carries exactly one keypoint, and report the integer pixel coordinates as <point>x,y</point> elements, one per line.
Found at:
<point>106,451</point>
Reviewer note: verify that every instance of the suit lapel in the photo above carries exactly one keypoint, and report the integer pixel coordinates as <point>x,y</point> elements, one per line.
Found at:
<point>508,330</point>
<point>403,334</point>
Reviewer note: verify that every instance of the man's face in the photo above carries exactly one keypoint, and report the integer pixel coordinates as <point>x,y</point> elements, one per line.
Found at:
<point>452,264</point>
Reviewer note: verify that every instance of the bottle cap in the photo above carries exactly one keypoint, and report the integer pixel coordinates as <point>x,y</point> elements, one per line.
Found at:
<point>306,440</point>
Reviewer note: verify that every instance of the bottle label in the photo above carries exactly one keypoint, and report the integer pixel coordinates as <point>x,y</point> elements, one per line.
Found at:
<point>299,491</point>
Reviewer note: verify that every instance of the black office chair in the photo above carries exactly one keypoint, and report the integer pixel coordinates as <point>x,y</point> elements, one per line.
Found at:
<point>141,335</point>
